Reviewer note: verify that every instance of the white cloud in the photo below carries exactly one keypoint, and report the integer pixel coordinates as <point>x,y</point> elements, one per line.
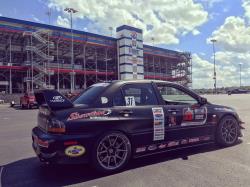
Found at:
<point>227,74</point>
<point>233,35</point>
<point>36,19</point>
<point>233,47</point>
<point>229,58</point>
<point>63,22</point>
<point>202,72</point>
<point>165,20</point>
<point>246,6</point>
<point>195,32</point>
<point>213,15</point>
<point>225,9</point>
<point>1,14</point>
<point>202,53</point>
<point>209,3</point>
<point>227,70</point>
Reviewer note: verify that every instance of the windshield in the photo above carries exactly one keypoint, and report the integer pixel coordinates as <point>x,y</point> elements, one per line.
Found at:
<point>91,93</point>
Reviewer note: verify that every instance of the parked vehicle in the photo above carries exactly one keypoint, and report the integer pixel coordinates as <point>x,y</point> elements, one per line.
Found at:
<point>28,101</point>
<point>110,123</point>
<point>237,91</point>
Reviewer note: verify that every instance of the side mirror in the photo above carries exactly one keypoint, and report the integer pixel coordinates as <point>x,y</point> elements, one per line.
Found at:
<point>203,100</point>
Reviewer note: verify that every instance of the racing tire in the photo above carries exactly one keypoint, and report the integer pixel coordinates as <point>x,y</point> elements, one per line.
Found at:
<point>111,152</point>
<point>227,132</point>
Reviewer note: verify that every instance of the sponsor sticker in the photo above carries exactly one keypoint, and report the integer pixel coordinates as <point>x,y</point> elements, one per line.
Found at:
<point>89,115</point>
<point>130,100</point>
<point>172,121</point>
<point>199,116</point>
<point>205,138</point>
<point>104,100</point>
<point>193,140</point>
<point>184,141</point>
<point>173,143</point>
<point>162,146</point>
<point>57,99</point>
<point>159,123</point>
<point>133,35</point>
<point>188,114</point>
<point>152,147</point>
<point>196,116</point>
<point>75,151</point>
<point>140,149</point>
<point>223,109</point>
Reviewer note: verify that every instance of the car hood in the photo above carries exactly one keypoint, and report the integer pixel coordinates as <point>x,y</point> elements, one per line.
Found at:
<point>223,108</point>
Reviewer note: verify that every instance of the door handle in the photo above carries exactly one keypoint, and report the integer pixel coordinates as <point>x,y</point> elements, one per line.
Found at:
<point>126,112</point>
<point>173,110</point>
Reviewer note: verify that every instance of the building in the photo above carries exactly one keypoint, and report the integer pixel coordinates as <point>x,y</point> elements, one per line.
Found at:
<point>34,55</point>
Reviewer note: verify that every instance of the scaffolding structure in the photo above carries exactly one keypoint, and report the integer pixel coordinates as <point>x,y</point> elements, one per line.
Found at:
<point>34,56</point>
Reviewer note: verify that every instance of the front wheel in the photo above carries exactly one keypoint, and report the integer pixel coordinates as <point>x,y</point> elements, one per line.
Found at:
<point>227,131</point>
<point>112,152</point>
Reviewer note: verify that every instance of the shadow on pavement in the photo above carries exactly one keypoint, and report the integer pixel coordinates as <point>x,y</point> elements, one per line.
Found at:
<point>30,172</point>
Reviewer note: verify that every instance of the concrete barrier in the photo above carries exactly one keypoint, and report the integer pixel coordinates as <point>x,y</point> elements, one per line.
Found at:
<point>7,98</point>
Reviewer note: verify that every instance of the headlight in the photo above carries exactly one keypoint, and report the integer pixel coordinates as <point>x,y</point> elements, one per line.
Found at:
<point>56,126</point>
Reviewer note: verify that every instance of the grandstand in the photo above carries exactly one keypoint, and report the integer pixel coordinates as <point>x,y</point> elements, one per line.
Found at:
<point>35,55</point>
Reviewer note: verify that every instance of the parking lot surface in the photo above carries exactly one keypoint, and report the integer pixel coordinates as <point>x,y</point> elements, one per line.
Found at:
<point>204,166</point>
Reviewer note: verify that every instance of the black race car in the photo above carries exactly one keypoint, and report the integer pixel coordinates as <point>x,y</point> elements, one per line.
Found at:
<point>109,123</point>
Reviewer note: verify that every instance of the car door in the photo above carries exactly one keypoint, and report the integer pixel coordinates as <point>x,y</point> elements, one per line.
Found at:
<point>138,109</point>
<point>185,118</point>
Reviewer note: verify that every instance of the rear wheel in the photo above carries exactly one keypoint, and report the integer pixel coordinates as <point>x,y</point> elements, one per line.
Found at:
<point>227,131</point>
<point>112,152</point>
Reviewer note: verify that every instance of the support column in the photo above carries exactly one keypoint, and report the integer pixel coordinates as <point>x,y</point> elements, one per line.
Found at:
<point>130,51</point>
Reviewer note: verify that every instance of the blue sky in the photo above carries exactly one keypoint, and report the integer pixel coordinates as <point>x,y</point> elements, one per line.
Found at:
<point>184,25</point>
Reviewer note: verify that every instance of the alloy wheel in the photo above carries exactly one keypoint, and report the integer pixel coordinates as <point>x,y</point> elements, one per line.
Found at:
<point>112,151</point>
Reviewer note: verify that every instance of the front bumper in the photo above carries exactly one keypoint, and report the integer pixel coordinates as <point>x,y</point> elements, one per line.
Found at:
<point>51,147</point>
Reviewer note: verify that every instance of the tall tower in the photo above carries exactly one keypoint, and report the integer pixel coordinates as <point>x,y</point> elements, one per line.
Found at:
<point>130,53</point>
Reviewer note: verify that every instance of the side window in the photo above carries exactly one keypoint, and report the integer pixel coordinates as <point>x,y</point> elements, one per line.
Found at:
<point>172,95</point>
<point>118,99</point>
<point>138,95</point>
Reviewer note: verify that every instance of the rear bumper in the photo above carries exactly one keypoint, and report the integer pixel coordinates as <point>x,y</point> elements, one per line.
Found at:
<point>51,147</point>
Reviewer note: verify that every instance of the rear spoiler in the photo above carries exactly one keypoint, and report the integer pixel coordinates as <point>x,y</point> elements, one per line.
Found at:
<point>53,99</point>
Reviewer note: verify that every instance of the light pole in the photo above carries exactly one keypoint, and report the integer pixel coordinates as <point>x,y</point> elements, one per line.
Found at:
<point>213,41</point>
<point>72,77</point>
<point>153,41</point>
<point>10,60</point>
<point>48,13</point>
<point>240,73</point>
<point>48,65</point>
<point>111,31</point>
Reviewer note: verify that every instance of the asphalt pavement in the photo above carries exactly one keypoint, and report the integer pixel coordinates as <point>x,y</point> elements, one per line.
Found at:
<point>204,166</point>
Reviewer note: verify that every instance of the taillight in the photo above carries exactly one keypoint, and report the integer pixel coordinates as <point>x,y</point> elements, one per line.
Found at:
<point>56,126</point>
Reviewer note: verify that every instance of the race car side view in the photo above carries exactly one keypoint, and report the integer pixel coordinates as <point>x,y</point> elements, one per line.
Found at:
<point>110,123</point>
